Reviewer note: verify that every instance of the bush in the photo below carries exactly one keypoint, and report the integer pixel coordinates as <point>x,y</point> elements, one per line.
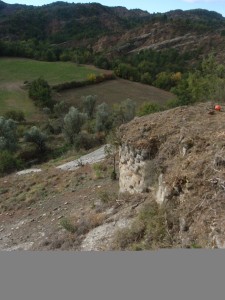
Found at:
<point>128,236</point>
<point>15,115</point>
<point>91,77</point>
<point>173,103</point>
<point>8,136</point>
<point>8,162</point>
<point>148,108</point>
<point>86,141</point>
<point>147,232</point>
<point>73,123</point>
<point>67,224</point>
<point>40,92</point>
<point>88,104</point>
<point>103,118</point>
<point>34,135</point>
<point>60,108</point>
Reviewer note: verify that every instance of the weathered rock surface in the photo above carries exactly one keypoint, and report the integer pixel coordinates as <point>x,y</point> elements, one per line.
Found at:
<point>177,156</point>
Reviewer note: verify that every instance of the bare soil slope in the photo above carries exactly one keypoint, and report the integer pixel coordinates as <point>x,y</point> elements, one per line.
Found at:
<point>81,209</point>
<point>189,144</point>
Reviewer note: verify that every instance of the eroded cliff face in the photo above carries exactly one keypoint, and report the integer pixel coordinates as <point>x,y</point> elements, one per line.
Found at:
<point>178,158</point>
<point>134,165</point>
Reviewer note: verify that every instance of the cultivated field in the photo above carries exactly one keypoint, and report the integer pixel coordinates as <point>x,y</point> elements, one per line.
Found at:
<point>14,71</point>
<point>19,70</point>
<point>115,91</point>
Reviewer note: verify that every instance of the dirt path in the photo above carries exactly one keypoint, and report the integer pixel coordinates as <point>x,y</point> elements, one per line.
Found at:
<point>91,158</point>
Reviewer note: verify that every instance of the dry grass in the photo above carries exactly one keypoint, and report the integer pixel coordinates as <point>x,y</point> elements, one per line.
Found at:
<point>147,232</point>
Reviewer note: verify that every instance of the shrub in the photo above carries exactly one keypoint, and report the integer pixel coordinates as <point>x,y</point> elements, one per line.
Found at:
<point>67,224</point>
<point>8,162</point>
<point>98,169</point>
<point>73,123</point>
<point>86,141</point>
<point>123,112</point>
<point>60,108</point>
<point>40,92</point>
<point>8,136</point>
<point>126,237</point>
<point>15,115</point>
<point>148,231</point>
<point>34,135</point>
<point>91,77</point>
<point>173,103</point>
<point>146,78</point>
<point>148,108</point>
<point>103,118</point>
<point>88,104</point>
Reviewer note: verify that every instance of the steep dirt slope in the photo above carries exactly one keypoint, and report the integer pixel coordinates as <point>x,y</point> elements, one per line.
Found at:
<point>178,157</point>
<point>175,158</point>
<point>54,209</point>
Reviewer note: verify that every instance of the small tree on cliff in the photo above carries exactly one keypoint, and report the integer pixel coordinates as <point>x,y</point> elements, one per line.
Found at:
<point>111,149</point>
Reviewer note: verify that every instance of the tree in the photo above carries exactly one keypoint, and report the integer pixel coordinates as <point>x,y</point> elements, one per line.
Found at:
<point>124,112</point>
<point>8,162</point>
<point>146,78</point>
<point>103,118</point>
<point>111,149</point>
<point>73,122</point>
<point>60,108</point>
<point>40,92</point>
<point>163,80</point>
<point>34,135</point>
<point>128,108</point>
<point>8,135</point>
<point>88,104</point>
<point>204,84</point>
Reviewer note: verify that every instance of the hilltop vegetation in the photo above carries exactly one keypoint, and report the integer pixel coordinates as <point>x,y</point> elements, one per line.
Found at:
<point>71,75</point>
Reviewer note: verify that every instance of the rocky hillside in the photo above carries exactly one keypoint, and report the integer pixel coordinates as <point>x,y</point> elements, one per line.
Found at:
<point>113,29</point>
<point>178,158</point>
<point>170,194</point>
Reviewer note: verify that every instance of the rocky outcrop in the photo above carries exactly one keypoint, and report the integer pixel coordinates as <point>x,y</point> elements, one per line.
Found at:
<point>135,175</point>
<point>177,157</point>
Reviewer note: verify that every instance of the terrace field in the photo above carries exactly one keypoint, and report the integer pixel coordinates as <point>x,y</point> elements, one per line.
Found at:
<point>115,91</point>
<point>20,70</point>
<point>14,71</point>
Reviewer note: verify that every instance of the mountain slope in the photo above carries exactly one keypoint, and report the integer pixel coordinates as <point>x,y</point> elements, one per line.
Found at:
<point>177,157</point>
<point>113,29</point>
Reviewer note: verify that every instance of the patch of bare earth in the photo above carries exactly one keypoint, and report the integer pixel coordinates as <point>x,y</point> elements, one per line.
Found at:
<point>115,91</point>
<point>33,206</point>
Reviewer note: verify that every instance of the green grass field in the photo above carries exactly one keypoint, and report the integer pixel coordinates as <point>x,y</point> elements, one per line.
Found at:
<point>19,101</point>
<point>19,70</point>
<point>14,71</point>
